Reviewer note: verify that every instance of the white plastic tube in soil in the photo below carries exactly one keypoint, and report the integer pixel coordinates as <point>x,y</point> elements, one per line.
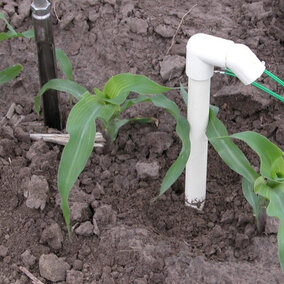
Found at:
<point>204,52</point>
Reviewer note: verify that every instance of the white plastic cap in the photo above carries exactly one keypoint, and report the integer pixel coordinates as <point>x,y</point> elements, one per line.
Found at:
<point>206,51</point>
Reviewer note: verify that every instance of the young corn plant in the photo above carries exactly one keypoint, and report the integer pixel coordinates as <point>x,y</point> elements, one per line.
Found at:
<point>107,106</point>
<point>13,71</point>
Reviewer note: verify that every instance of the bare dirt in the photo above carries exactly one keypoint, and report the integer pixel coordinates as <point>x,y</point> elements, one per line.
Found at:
<point>118,235</point>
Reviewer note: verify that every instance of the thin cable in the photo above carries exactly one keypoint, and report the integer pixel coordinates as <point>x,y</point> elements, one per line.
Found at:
<point>273,94</point>
<point>257,85</point>
<point>274,77</point>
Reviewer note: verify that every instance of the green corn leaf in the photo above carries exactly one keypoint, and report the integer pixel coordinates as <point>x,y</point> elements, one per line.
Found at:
<point>128,103</point>
<point>227,150</point>
<point>236,160</point>
<point>10,28</point>
<point>277,170</point>
<point>119,86</point>
<point>215,109</point>
<point>64,63</point>
<point>28,34</point>
<point>275,208</point>
<point>183,93</point>
<point>182,130</point>
<point>10,73</point>
<point>81,127</point>
<point>266,150</point>
<point>12,33</point>
<point>256,202</point>
<point>67,86</point>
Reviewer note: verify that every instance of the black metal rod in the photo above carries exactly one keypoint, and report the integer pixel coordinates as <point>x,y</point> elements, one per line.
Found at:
<point>46,60</point>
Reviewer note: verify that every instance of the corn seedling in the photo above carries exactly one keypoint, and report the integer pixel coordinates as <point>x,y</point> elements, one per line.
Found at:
<point>107,106</point>
<point>13,71</point>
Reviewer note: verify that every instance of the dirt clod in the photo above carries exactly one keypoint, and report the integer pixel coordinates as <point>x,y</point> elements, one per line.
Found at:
<point>172,67</point>
<point>52,235</point>
<point>53,268</point>
<point>36,192</point>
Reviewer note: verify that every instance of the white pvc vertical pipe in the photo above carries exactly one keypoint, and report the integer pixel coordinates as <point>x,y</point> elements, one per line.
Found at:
<point>196,170</point>
<point>203,53</point>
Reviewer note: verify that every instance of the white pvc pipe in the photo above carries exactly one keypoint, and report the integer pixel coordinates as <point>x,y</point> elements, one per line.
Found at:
<point>203,53</point>
<point>196,170</point>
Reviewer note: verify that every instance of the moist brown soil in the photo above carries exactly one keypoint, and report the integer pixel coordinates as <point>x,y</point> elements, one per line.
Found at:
<point>137,241</point>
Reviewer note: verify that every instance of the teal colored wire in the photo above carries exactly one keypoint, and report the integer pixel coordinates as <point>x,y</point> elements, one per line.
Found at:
<point>273,94</point>
<point>259,86</point>
<point>274,77</point>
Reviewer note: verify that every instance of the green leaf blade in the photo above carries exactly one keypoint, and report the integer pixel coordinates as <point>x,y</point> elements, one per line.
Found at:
<point>10,73</point>
<point>182,130</point>
<point>82,129</point>
<point>266,150</point>
<point>66,86</point>
<point>119,86</point>
<point>64,63</point>
<point>275,208</point>
<point>227,150</point>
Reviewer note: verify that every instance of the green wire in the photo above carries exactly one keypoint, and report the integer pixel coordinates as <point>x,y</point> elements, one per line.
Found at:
<point>259,86</point>
<point>273,94</point>
<point>275,78</point>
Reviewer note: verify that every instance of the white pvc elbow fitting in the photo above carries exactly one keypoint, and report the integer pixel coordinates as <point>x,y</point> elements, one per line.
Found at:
<point>203,53</point>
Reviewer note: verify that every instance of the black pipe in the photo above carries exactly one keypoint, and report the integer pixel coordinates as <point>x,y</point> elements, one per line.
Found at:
<point>46,60</point>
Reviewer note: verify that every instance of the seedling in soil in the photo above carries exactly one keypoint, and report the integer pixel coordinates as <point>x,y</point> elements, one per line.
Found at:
<point>263,190</point>
<point>107,106</point>
<point>13,71</point>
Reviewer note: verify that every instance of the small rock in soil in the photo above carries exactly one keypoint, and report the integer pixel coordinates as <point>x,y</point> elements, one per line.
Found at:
<point>246,99</point>
<point>27,258</point>
<point>78,264</point>
<point>74,277</point>
<point>159,141</point>
<point>24,8</point>
<point>147,170</point>
<point>227,217</point>
<point>52,235</point>
<point>84,251</point>
<point>37,148</point>
<point>79,211</point>
<point>85,229</point>
<point>165,31</point>
<point>272,225</point>
<point>66,20</point>
<point>138,26</point>
<point>96,230</point>
<point>98,191</point>
<point>36,192</point>
<point>172,67</point>
<point>104,215</point>
<point>3,251</point>
<point>241,241</point>
<point>53,268</point>
<point>127,9</point>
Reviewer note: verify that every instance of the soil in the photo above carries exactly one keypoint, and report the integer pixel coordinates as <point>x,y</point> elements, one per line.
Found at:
<point>118,234</point>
